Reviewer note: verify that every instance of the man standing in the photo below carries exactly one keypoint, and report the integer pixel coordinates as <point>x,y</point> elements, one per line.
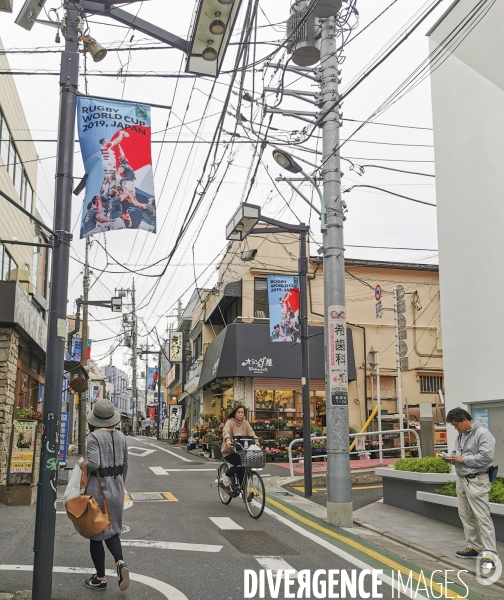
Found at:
<point>148,424</point>
<point>473,456</point>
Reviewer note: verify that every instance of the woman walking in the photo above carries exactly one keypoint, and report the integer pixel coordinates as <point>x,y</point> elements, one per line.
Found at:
<point>107,455</point>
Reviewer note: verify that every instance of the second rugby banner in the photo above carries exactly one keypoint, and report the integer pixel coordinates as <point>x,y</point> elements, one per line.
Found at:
<point>115,140</point>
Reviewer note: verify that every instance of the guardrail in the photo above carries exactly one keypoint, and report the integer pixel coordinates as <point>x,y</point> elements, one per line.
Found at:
<point>352,435</point>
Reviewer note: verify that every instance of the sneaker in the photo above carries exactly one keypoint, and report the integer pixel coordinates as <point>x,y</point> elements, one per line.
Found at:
<point>487,564</point>
<point>226,481</point>
<point>96,584</point>
<point>467,553</point>
<point>123,576</point>
<point>250,496</point>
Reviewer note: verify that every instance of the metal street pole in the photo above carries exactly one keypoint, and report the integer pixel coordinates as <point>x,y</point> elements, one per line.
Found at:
<point>339,487</point>
<point>399,378</point>
<point>45,519</point>
<point>159,397</point>
<point>134,338</point>
<point>378,401</point>
<point>83,398</point>
<point>305,365</point>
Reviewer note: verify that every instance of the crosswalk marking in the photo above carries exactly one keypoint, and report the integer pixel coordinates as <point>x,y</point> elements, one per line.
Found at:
<point>274,563</point>
<point>162,471</point>
<point>225,523</point>
<point>171,545</point>
<point>172,453</point>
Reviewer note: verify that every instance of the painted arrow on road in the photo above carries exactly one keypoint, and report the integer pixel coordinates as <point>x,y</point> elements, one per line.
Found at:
<point>143,451</point>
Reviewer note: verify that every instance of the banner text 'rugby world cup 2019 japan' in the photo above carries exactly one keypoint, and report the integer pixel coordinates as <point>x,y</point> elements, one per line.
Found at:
<point>115,140</point>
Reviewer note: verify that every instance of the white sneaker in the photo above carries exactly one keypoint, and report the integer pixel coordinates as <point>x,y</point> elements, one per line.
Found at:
<point>226,482</point>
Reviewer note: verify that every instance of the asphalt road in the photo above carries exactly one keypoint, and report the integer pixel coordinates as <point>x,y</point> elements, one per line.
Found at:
<point>178,547</point>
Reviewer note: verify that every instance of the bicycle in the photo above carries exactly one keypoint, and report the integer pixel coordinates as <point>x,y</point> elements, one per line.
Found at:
<point>252,488</point>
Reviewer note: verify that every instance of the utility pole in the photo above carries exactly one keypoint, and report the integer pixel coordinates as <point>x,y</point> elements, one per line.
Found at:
<point>134,337</point>
<point>45,520</point>
<point>83,398</point>
<point>339,486</point>
<point>159,396</point>
<point>305,364</point>
<point>398,297</point>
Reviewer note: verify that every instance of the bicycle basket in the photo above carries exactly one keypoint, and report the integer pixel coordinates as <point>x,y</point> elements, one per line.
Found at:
<point>253,459</point>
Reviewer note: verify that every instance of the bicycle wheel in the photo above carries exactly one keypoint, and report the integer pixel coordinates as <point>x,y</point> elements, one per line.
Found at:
<point>224,495</point>
<point>254,494</point>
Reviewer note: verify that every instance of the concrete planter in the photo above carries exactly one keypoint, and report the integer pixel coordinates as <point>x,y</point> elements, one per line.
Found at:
<point>416,492</point>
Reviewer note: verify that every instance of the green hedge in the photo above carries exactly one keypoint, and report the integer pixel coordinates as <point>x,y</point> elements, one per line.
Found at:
<point>496,490</point>
<point>428,464</point>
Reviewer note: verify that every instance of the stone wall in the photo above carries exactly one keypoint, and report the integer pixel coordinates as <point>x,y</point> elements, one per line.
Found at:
<point>9,345</point>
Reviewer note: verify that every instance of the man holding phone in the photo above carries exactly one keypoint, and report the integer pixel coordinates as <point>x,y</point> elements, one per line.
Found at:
<point>473,456</point>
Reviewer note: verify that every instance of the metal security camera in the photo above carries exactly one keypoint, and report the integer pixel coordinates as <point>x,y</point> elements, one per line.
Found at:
<point>29,13</point>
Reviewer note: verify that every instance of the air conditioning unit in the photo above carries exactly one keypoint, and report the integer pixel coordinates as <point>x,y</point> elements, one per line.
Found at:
<point>6,5</point>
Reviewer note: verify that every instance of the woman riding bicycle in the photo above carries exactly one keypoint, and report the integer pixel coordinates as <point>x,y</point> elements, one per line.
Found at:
<point>235,425</point>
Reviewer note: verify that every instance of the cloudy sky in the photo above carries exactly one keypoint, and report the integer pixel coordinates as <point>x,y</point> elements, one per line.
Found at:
<point>375,218</point>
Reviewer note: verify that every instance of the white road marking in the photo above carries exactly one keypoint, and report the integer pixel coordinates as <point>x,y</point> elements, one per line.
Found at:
<point>168,591</point>
<point>225,523</point>
<point>172,453</point>
<point>158,470</point>
<point>161,471</point>
<point>171,545</point>
<point>143,451</point>
<point>274,563</point>
<point>61,512</point>
<point>360,564</point>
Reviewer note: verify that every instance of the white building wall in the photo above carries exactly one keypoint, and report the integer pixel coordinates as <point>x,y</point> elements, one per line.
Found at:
<point>468,112</point>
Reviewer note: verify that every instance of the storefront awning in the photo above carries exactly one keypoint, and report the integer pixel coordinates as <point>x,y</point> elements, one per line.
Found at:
<point>245,350</point>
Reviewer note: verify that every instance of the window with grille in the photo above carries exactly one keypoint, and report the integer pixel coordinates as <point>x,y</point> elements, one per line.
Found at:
<point>431,384</point>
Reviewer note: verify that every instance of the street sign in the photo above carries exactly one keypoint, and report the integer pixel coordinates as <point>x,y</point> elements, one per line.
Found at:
<point>403,349</point>
<point>401,306</point>
<point>377,292</point>
<point>404,364</point>
<point>379,309</point>
<point>403,334</point>
<point>401,322</point>
<point>400,292</point>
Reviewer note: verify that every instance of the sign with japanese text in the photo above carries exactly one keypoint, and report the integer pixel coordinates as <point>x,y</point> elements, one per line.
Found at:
<point>176,344</point>
<point>62,454</point>
<point>337,350</point>
<point>115,141</point>
<point>175,417</point>
<point>23,446</point>
<point>283,300</point>
<point>77,349</point>
<point>481,416</point>
<point>258,365</point>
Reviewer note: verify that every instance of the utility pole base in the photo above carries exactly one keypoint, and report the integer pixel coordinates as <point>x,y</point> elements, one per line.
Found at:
<point>340,513</point>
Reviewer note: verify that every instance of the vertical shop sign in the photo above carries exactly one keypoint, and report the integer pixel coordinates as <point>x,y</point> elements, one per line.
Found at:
<point>338,374</point>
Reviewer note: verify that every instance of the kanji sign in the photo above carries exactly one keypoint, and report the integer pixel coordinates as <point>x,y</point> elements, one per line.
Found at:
<point>338,374</point>
<point>176,344</point>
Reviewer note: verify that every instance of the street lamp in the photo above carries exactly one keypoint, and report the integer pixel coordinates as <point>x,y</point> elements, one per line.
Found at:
<point>244,223</point>
<point>373,358</point>
<point>211,29</point>
<point>287,162</point>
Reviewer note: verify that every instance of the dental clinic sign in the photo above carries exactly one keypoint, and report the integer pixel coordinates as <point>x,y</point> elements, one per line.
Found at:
<point>258,365</point>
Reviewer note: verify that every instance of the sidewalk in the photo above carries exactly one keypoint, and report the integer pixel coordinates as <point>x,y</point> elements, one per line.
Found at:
<point>425,542</point>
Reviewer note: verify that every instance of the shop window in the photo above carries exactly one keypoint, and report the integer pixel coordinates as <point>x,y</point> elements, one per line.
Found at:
<point>261,306</point>
<point>431,384</point>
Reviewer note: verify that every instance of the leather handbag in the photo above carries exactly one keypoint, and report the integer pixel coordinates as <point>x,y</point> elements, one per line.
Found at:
<point>84,512</point>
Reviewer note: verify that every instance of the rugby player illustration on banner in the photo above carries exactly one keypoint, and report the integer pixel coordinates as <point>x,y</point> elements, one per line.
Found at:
<point>115,140</point>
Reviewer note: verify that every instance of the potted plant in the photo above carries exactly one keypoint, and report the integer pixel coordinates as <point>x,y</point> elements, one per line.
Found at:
<point>28,414</point>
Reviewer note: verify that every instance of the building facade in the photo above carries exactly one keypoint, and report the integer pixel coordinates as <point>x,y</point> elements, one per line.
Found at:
<point>237,361</point>
<point>23,292</point>
<point>120,396</point>
<point>469,208</point>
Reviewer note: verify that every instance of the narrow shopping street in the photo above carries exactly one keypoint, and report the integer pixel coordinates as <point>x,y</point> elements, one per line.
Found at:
<point>181,542</point>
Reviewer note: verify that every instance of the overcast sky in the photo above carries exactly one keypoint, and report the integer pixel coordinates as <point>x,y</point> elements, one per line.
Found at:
<point>375,218</point>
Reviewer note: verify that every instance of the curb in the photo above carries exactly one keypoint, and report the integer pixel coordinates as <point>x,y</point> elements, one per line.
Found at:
<point>421,549</point>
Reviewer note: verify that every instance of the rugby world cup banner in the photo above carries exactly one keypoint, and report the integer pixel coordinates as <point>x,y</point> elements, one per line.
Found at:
<point>115,141</point>
<point>283,299</point>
